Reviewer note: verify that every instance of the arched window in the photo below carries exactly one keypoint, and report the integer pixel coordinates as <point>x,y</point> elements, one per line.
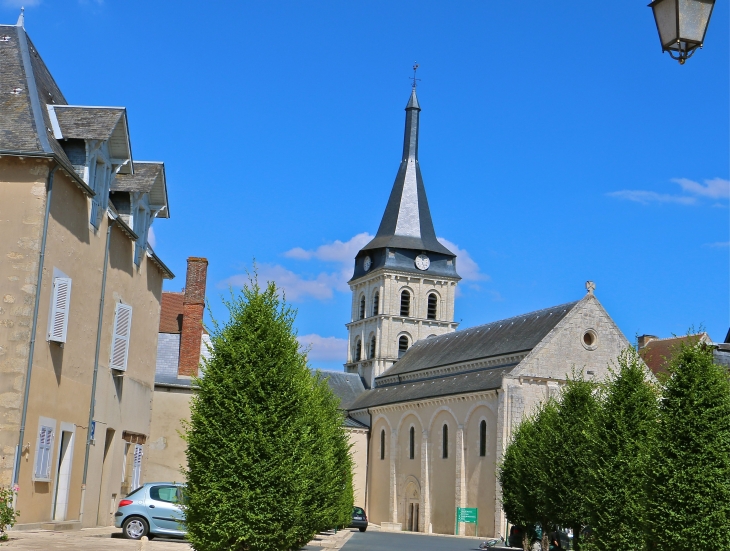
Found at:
<point>433,300</point>
<point>412,442</point>
<point>382,444</point>
<point>372,347</point>
<point>376,303</point>
<point>362,307</point>
<point>402,345</point>
<point>358,350</point>
<point>405,303</point>
<point>483,439</point>
<point>445,443</point>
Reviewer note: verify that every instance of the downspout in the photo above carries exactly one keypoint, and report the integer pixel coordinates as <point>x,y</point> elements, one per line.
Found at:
<point>96,368</point>
<point>34,326</point>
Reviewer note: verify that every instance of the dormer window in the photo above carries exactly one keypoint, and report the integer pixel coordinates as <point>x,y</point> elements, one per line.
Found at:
<point>99,178</point>
<point>141,227</point>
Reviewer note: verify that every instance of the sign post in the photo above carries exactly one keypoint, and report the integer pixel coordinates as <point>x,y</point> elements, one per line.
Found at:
<point>467,515</point>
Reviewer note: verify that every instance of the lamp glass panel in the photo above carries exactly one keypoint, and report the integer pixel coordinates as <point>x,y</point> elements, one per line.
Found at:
<point>693,18</point>
<point>665,13</point>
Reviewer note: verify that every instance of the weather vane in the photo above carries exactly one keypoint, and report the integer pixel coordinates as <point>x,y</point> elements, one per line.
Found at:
<point>413,78</point>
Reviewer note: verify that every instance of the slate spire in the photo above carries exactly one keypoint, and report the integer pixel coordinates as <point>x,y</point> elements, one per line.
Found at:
<point>406,223</point>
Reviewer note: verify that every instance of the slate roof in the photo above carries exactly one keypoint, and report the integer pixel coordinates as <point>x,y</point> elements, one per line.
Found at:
<point>89,123</point>
<point>507,336</point>
<point>407,220</point>
<point>484,379</point>
<point>351,423</point>
<point>346,386</point>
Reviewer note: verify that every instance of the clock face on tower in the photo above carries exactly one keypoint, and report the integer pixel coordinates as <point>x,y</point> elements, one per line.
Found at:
<point>422,262</point>
<point>367,263</point>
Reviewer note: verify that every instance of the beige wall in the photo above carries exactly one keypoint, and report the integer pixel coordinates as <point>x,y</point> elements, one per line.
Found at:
<point>62,375</point>
<point>359,453</point>
<point>166,447</point>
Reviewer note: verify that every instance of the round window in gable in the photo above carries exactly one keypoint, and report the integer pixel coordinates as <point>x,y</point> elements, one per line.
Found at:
<point>589,339</point>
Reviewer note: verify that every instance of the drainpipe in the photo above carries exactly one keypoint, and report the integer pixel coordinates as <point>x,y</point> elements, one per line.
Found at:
<point>34,326</point>
<point>96,368</point>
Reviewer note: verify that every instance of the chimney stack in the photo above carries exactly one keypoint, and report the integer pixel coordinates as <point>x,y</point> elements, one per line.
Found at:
<point>643,340</point>
<point>192,326</point>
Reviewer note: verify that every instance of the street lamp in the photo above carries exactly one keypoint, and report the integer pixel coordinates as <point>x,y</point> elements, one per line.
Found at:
<point>682,25</point>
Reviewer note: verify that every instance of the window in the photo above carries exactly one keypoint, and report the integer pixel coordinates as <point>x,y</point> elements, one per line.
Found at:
<point>432,306</point>
<point>483,439</point>
<point>120,337</point>
<point>412,443</point>
<point>376,303</point>
<point>137,466</point>
<point>372,347</point>
<point>44,446</point>
<point>405,303</point>
<point>382,444</point>
<point>445,442</point>
<point>60,303</point>
<point>358,351</point>
<point>167,494</point>
<point>362,308</point>
<point>402,345</point>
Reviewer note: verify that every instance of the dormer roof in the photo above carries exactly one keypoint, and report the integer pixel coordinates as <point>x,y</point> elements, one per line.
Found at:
<point>148,177</point>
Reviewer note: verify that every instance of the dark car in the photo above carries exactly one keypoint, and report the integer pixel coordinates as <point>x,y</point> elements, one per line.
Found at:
<point>359,519</point>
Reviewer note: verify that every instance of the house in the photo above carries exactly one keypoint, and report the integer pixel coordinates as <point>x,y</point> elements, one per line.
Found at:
<point>80,291</point>
<point>657,353</point>
<point>182,345</point>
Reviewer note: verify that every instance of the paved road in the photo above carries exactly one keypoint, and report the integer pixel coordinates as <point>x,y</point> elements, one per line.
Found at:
<point>389,541</point>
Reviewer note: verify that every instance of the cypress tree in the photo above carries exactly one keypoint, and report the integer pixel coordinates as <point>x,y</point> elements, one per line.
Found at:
<point>268,459</point>
<point>624,445</point>
<point>573,437</point>
<point>690,473</point>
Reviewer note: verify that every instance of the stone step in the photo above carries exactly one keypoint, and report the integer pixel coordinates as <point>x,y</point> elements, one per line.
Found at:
<point>55,526</point>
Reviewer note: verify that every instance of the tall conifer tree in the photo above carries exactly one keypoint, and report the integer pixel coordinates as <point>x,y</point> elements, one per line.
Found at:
<point>268,458</point>
<point>624,446</point>
<point>690,471</point>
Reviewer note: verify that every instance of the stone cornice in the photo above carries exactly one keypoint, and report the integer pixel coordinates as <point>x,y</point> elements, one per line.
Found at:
<point>437,401</point>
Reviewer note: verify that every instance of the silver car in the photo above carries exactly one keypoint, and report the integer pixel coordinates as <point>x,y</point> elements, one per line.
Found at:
<point>154,509</point>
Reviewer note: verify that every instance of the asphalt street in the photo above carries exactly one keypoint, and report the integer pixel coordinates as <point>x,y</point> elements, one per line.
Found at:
<point>390,541</point>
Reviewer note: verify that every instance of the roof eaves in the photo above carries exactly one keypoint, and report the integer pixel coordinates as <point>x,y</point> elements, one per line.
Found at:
<point>112,213</point>
<point>166,272</point>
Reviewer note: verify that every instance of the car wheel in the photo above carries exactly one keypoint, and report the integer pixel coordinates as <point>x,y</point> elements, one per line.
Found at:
<point>363,528</point>
<point>135,527</point>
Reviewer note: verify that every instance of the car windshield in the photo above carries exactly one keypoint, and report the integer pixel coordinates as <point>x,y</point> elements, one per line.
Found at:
<point>357,511</point>
<point>134,492</point>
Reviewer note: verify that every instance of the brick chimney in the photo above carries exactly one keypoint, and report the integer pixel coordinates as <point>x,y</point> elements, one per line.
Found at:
<point>192,325</point>
<point>643,340</point>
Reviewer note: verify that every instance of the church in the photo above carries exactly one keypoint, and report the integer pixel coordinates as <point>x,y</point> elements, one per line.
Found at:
<point>440,405</point>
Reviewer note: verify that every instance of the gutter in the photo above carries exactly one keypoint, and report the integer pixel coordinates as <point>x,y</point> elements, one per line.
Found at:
<point>59,160</point>
<point>34,326</point>
<point>110,225</point>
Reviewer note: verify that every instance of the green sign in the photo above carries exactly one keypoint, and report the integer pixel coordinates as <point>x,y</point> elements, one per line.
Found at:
<point>466,514</point>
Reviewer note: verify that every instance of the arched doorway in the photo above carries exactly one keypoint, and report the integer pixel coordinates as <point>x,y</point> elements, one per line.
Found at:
<point>413,506</point>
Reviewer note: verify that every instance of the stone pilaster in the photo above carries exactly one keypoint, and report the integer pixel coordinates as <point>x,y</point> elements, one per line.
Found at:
<point>425,520</point>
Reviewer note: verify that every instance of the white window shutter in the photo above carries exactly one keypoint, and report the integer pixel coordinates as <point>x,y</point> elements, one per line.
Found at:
<point>120,337</point>
<point>60,304</point>
<point>43,453</point>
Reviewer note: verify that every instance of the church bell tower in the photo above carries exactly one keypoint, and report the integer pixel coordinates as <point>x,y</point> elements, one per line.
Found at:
<point>404,280</point>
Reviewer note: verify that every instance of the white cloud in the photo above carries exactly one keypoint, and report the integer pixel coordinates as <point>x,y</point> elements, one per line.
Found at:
<point>467,268</point>
<point>718,245</point>
<point>717,188</point>
<point>151,238</point>
<point>343,253</point>
<point>646,197</point>
<point>295,287</point>
<point>324,349</point>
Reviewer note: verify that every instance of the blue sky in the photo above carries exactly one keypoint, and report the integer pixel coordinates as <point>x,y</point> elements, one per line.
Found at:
<point>558,144</point>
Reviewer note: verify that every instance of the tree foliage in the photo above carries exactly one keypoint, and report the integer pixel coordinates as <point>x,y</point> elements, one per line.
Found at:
<point>624,443</point>
<point>690,472</point>
<point>268,458</point>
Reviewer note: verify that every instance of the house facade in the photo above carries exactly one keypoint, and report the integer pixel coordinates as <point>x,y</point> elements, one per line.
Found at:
<point>80,291</point>
<point>442,404</point>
